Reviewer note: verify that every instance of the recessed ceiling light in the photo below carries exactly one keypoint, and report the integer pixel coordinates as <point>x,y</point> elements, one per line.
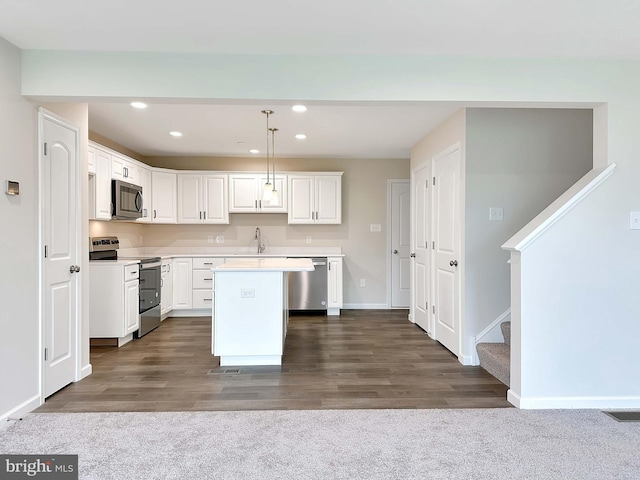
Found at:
<point>301,136</point>
<point>139,105</point>
<point>175,134</point>
<point>254,150</point>
<point>299,108</point>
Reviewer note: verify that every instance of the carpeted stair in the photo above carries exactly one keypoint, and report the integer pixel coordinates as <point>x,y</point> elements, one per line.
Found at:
<point>495,358</point>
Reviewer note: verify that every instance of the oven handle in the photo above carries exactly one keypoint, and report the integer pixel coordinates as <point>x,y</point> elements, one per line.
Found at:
<point>146,266</point>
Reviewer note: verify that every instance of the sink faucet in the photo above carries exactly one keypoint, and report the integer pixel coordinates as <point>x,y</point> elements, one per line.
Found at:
<point>258,237</point>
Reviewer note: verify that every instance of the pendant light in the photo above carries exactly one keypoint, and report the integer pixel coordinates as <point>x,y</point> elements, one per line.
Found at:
<point>275,195</point>
<point>267,191</point>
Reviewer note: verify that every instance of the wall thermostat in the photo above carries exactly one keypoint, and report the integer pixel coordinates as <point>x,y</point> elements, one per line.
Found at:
<point>13,188</point>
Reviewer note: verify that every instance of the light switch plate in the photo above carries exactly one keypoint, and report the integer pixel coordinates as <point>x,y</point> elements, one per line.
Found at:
<point>375,227</point>
<point>247,293</point>
<point>496,213</point>
<point>634,220</point>
<point>220,239</point>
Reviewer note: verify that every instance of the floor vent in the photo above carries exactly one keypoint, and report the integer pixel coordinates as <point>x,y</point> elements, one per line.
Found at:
<point>625,416</point>
<point>226,371</point>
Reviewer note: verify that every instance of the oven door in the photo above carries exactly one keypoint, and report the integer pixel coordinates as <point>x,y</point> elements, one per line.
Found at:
<point>126,199</point>
<point>149,285</point>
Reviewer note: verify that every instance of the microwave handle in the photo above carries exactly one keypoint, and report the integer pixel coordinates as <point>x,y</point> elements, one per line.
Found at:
<point>138,202</point>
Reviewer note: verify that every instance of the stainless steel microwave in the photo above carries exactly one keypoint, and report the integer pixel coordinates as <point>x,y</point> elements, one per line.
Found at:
<point>126,200</point>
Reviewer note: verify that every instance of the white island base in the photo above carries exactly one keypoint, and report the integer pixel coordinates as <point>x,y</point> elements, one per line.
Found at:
<point>250,311</point>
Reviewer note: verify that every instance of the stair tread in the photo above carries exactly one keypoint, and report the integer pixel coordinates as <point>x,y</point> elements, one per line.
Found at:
<point>495,358</point>
<point>506,332</point>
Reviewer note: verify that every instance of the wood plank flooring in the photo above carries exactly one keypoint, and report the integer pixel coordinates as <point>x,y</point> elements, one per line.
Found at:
<point>362,359</point>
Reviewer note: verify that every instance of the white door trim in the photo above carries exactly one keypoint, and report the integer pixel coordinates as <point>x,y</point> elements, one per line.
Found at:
<point>412,314</point>
<point>42,115</point>
<point>390,183</point>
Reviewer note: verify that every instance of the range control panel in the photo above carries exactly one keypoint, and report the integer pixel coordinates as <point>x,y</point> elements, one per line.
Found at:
<point>100,244</point>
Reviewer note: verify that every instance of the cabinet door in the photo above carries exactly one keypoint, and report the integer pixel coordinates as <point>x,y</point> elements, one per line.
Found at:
<point>182,283</point>
<point>301,199</point>
<point>144,176</point>
<point>131,173</point>
<point>131,307</point>
<point>166,292</point>
<point>215,198</point>
<point>117,167</point>
<point>279,205</point>
<point>103,185</point>
<point>164,192</point>
<point>91,159</point>
<point>189,198</point>
<point>243,197</point>
<point>328,199</point>
<point>334,282</point>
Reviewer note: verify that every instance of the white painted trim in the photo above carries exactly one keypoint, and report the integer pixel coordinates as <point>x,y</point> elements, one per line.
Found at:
<point>86,371</point>
<point>489,328</point>
<point>467,359</point>
<point>21,410</point>
<point>390,183</point>
<point>547,403</point>
<point>558,209</point>
<point>365,306</point>
<point>190,313</point>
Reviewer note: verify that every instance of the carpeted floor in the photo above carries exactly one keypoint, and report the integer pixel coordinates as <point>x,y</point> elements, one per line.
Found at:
<point>331,444</point>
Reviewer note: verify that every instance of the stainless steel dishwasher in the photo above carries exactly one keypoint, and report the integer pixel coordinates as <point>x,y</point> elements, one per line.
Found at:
<point>308,290</point>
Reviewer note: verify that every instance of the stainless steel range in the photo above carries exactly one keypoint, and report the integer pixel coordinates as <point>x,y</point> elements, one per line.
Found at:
<point>106,248</point>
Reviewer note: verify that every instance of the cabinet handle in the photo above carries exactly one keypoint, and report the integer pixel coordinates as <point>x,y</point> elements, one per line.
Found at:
<point>126,172</point>
<point>204,214</point>
<point>154,214</point>
<point>207,299</point>
<point>260,204</point>
<point>207,279</point>
<point>162,282</point>
<point>208,263</point>
<point>256,203</point>
<point>168,267</point>
<point>200,215</point>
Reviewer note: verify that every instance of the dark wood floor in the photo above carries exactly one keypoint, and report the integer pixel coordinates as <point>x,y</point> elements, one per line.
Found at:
<point>362,359</point>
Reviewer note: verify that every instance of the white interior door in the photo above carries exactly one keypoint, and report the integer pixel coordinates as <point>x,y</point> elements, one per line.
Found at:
<point>421,212</point>
<point>400,244</point>
<point>446,230</point>
<point>60,266</point>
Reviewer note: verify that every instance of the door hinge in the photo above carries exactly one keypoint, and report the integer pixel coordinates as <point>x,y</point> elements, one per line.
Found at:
<point>46,354</point>
<point>434,180</point>
<point>433,245</point>
<point>433,309</point>
<point>44,145</point>
<point>46,251</point>
<point>426,183</point>
<point>426,306</point>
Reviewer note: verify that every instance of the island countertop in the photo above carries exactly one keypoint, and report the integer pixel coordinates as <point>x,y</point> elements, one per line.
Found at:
<point>265,265</point>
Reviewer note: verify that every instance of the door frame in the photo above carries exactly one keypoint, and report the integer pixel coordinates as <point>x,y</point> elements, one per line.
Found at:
<point>390,183</point>
<point>43,115</point>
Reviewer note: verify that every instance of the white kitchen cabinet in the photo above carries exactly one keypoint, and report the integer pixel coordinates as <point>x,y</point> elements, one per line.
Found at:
<point>91,159</point>
<point>315,199</point>
<point>113,301</point>
<point>144,177</point>
<point>203,281</point>
<point>163,197</point>
<point>246,190</point>
<point>123,169</point>
<point>182,283</point>
<point>203,198</point>
<point>102,185</point>
<point>166,287</point>
<point>334,285</point>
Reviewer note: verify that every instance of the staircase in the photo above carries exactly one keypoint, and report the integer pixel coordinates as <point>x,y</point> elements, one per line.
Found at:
<point>495,358</point>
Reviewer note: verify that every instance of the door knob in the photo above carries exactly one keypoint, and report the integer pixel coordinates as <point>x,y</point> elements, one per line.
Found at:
<point>453,263</point>
<point>74,269</point>
<point>413,255</point>
<point>395,252</point>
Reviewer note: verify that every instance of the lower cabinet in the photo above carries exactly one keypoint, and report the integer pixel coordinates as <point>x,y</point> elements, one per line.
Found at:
<point>113,301</point>
<point>166,288</point>
<point>334,285</point>
<point>182,284</point>
<point>203,281</point>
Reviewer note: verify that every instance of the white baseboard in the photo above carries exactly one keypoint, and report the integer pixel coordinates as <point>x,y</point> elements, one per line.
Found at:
<point>86,371</point>
<point>548,403</point>
<point>366,306</point>
<point>190,313</point>
<point>466,359</point>
<point>19,411</point>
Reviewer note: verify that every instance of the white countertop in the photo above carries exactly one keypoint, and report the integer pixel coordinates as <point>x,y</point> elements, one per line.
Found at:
<point>266,265</point>
<point>230,252</point>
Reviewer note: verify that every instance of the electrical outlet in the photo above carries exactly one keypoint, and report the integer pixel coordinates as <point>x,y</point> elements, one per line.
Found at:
<point>308,239</point>
<point>363,282</point>
<point>210,239</point>
<point>375,227</point>
<point>220,239</point>
<point>496,214</point>
<point>247,293</point>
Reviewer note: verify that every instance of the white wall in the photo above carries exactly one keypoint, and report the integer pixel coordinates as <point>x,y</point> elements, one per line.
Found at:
<point>604,221</point>
<point>19,329</point>
<point>520,160</point>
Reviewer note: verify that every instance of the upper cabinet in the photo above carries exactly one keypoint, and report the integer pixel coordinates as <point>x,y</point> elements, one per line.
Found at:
<point>91,159</point>
<point>315,198</point>
<point>125,170</point>
<point>246,190</point>
<point>102,185</point>
<point>144,180</point>
<point>202,198</point>
<point>163,197</point>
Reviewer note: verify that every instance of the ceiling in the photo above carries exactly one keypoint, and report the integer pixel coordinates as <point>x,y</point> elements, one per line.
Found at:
<point>490,28</point>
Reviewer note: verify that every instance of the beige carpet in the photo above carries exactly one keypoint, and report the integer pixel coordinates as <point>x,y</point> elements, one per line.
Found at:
<point>359,444</point>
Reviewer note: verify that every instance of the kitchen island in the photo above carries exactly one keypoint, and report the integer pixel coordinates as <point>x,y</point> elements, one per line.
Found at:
<point>250,309</point>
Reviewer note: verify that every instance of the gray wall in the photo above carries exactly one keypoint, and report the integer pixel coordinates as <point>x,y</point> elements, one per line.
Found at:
<point>19,330</point>
<point>521,160</point>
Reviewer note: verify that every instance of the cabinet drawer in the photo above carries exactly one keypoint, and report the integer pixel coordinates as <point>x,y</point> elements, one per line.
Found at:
<point>203,298</point>
<point>202,279</point>
<point>200,262</point>
<point>131,272</point>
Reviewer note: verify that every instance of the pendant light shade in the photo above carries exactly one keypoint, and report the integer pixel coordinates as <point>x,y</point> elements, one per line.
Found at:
<point>267,191</point>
